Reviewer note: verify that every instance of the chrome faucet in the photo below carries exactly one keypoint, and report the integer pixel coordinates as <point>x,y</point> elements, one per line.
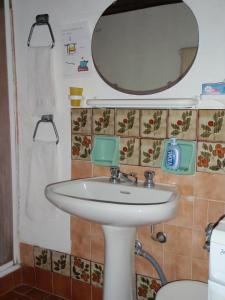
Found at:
<point>149,175</point>
<point>117,176</point>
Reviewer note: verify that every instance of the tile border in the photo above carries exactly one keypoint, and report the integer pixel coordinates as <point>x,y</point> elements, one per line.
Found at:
<point>182,123</point>
<point>87,271</point>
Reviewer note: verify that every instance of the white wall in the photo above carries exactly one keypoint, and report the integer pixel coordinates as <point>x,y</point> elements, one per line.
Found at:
<point>209,66</point>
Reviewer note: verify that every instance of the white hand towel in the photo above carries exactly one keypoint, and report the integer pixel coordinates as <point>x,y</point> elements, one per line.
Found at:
<point>42,171</point>
<point>41,94</point>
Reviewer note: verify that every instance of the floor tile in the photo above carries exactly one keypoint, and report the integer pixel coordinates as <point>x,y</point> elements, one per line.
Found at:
<point>53,297</point>
<point>35,294</point>
<point>6,284</point>
<point>23,289</point>
<point>10,296</point>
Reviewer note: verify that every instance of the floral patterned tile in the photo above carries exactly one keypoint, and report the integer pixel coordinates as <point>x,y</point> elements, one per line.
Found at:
<point>103,121</point>
<point>129,151</point>
<point>97,274</point>
<point>151,152</point>
<point>61,263</point>
<point>147,287</point>
<point>81,269</point>
<point>81,147</point>
<point>81,120</point>
<point>153,123</point>
<point>127,122</point>
<point>42,258</point>
<point>182,124</point>
<point>211,157</point>
<point>212,125</point>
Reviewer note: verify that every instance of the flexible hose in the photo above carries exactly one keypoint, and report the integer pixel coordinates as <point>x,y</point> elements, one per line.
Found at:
<point>139,251</point>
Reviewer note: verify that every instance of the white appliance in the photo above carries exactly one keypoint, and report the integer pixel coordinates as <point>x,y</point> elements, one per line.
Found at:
<point>216,282</point>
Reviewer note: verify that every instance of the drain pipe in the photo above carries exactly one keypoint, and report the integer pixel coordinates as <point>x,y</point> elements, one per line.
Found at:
<point>140,252</point>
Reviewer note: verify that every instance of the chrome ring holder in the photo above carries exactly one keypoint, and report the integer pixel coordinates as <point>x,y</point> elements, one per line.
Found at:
<point>41,20</point>
<point>48,119</point>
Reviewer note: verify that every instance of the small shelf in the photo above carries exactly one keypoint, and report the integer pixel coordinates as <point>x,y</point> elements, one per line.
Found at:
<point>144,103</point>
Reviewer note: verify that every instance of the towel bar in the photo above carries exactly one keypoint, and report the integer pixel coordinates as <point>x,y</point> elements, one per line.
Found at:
<point>41,20</point>
<point>44,119</point>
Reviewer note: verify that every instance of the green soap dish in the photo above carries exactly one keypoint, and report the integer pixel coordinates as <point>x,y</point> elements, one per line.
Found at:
<point>105,151</point>
<point>188,158</point>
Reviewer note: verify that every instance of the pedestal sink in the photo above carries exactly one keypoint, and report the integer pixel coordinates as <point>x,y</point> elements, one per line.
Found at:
<point>120,208</point>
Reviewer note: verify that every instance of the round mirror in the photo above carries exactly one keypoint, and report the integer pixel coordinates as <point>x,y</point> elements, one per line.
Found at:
<point>143,47</point>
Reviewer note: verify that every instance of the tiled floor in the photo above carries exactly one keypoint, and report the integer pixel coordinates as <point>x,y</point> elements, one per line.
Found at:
<point>29,293</point>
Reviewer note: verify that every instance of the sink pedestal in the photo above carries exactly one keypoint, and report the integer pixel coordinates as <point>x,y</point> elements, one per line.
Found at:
<point>119,273</point>
<point>120,209</point>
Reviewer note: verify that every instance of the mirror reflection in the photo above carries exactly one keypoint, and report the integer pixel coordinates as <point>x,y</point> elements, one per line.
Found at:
<point>144,50</point>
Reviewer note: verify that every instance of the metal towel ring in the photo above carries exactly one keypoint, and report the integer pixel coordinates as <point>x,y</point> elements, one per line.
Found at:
<point>46,118</point>
<point>41,20</point>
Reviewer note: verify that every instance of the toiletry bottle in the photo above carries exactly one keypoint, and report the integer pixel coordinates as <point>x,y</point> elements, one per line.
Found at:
<point>173,154</point>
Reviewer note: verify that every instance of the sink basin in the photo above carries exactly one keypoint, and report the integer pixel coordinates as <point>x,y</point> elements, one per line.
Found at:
<point>98,200</point>
<point>119,208</point>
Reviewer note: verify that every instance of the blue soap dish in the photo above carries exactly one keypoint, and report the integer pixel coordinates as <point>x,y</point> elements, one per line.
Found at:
<point>105,151</point>
<point>188,158</point>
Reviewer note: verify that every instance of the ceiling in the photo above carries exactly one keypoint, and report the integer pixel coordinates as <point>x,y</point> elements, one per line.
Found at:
<point>121,6</point>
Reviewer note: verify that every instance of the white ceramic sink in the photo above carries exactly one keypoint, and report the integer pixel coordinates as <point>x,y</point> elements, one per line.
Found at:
<point>98,200</point>
<point>119,208</point>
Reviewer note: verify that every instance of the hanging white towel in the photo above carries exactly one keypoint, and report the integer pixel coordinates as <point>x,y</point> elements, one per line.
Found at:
<point>42,171</point>
<point>41,94</point>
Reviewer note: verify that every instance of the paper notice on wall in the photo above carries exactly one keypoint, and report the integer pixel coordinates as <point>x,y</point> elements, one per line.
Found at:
<point>77,50</point>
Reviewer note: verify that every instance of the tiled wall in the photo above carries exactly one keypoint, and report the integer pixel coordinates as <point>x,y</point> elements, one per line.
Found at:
<point>202,200</point>
<point>142,134</point>
<point>202,197</point>
<point>72,277</point>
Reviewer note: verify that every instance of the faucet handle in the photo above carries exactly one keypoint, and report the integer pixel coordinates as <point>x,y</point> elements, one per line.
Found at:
<point>115,171</point>
<point>149,175</point>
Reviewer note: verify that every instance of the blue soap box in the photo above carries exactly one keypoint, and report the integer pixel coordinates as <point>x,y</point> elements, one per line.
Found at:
<point>217,88</point>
